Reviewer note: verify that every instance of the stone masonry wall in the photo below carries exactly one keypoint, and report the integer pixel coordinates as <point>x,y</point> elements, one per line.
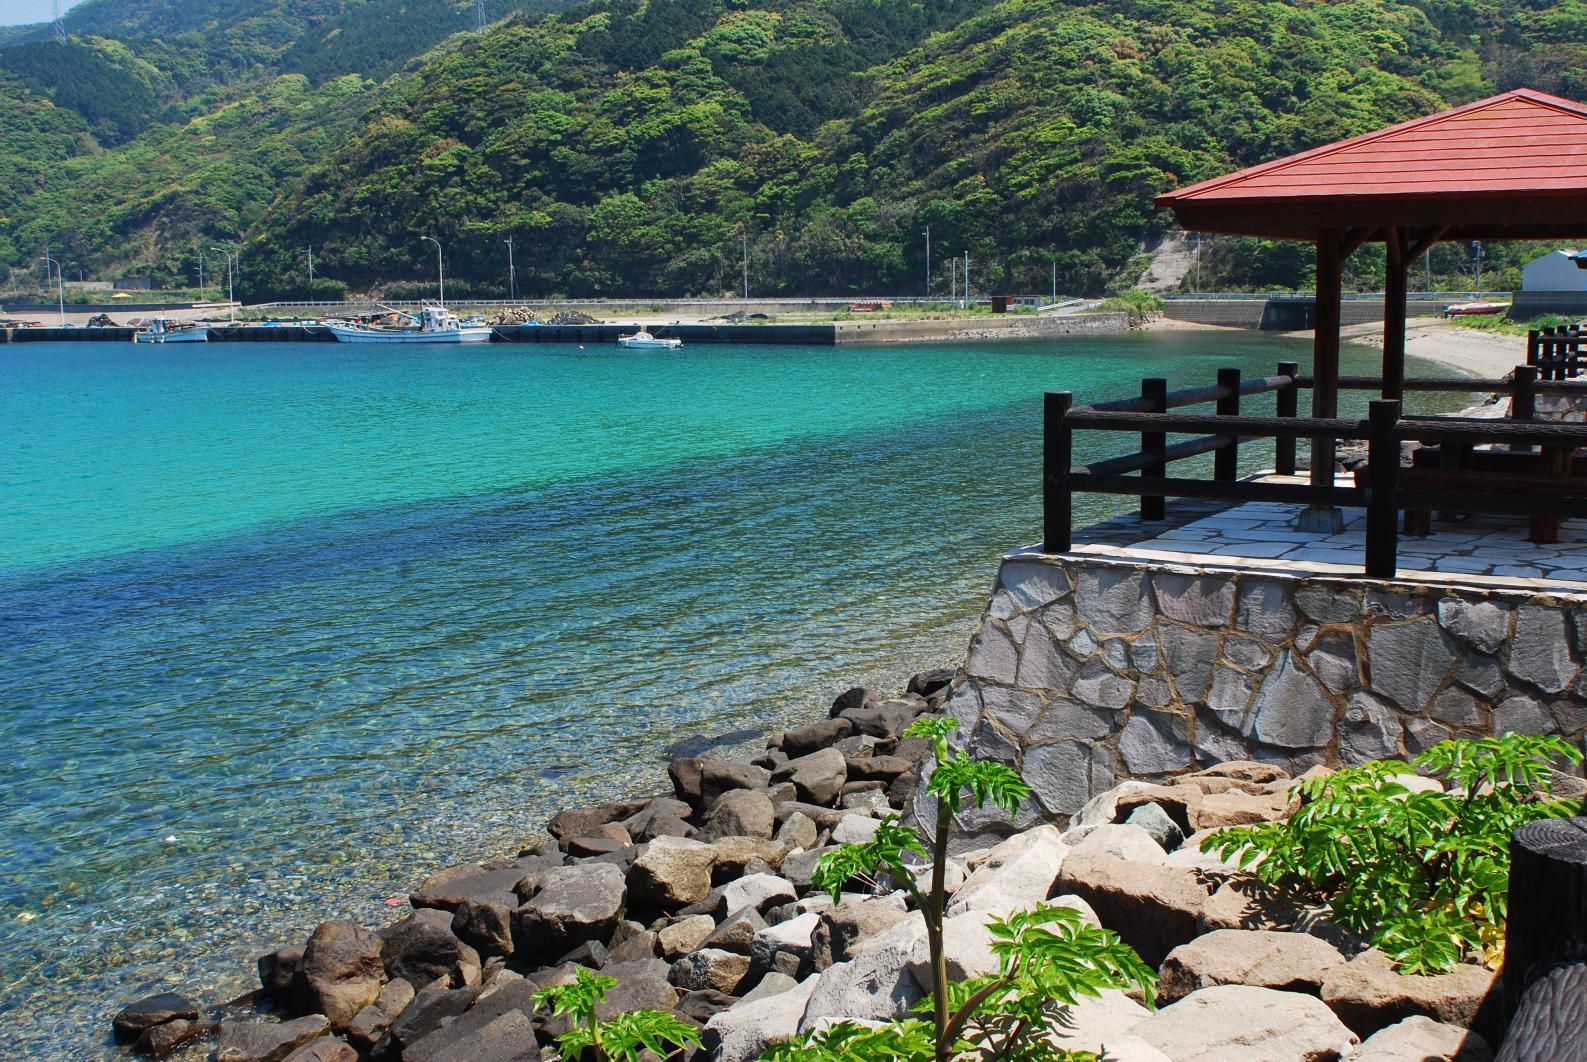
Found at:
<point>1085,671</point>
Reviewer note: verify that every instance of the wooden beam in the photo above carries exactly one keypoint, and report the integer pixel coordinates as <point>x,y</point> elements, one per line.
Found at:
<point>1423,242</point>
<point>1394,283</point>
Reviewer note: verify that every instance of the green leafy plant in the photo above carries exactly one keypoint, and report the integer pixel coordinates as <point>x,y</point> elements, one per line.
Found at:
<point>1423,874</point>
<point>624,1036</point>
<point>1048,957</point>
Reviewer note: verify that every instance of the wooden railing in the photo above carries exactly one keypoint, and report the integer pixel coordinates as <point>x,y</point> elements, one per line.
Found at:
<point>1384,491</point>
<point>1556,352</point>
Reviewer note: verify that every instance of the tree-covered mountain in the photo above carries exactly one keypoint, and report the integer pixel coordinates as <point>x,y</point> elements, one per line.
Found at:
<point>638,146</point>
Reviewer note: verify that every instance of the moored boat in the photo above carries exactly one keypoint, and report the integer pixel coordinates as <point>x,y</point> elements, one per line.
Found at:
<point>166,330</point>
<point>433,324</point>
<point>1471,309</point>
<point>645,340</point>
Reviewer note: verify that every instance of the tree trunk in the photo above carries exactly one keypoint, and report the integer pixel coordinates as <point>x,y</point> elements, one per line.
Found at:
<point>1548,908</point>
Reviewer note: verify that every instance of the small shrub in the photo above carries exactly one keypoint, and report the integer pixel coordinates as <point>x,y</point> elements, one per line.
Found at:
<point>1424,875</point>
<point>1140,305</point>
<point>625,1036</point>
<point>1048,957</point>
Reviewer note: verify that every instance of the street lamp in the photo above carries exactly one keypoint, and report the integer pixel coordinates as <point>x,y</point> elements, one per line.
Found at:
<point>512,275</point>
<point>927,235</point>
<point>310,250</point>
<point>440,267</point>
<point>231,299</point>
<point>745,237</point>
<point>60,284</point>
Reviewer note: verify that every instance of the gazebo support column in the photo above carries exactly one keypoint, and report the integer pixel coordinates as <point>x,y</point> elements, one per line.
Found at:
<point>1325,377</point>
<point>1394,284</point>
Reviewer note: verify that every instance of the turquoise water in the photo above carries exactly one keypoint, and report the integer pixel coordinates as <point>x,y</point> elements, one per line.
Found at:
<point>330,617</point>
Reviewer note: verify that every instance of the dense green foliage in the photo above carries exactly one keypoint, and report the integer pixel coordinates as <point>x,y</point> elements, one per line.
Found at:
<point>1048,957</point>
<point>626,1037</point>
<point>1424,874</point>
<point>643,146</point>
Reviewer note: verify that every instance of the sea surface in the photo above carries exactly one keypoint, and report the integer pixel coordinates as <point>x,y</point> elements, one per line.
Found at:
<point>285,627</point>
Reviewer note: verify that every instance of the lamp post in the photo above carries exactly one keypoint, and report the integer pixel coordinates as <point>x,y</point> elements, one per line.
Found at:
<point>512,274</point>
<point>60,283</point>
<point>310,250</point>
<point>745,237</point>
<point>440,267</point>
<point>927,235</point>
<point>231,299</point>
<point>201,272</point>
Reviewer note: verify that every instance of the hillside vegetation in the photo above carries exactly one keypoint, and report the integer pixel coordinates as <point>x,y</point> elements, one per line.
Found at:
<point>642,146</point>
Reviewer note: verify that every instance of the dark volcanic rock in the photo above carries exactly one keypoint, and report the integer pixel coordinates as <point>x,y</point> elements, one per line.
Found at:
<point>150,1011</point>
<point>244,1041</point>
<point>324,1049</point>
<point>573,905</point>
<point>685,775</point>
<point>818,777</point>
<point>485,926</point>
<point>583,822</point>
<point>420,1018</point>
<point>740,813</point>
<point>366,1029</point>
<point>422,949</point>
<point>929,683</point>
<point>887,719</point>
<point>163,1040</point>
<point>736,932</point>
<point>723,776</point>
<point>449,888</point>
<point>803,740</point>
<point>878,768</point>
<point>278,968</point>
<point>858,697</point>
<point>702,1003</point>
<point>342,970</point>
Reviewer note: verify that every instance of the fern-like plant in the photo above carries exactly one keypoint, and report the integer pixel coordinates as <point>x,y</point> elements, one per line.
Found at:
<point>623,1037</point>
<point>1048,957</point>
<point>1425,874</point>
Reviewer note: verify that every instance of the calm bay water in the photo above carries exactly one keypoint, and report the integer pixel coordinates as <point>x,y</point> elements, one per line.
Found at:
<point>333,617</point>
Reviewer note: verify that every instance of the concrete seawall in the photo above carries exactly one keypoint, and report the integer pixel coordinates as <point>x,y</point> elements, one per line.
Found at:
<point>1283,314</point>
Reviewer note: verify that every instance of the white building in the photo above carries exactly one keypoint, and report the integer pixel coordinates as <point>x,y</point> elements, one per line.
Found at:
<point>1555,271</point>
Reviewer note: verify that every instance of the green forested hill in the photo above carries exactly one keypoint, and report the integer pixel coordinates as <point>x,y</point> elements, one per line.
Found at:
<point>634,146</point>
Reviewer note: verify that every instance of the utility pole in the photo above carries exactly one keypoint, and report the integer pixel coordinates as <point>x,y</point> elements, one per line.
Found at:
<point>231,298</point>
<point>966,280</point>
<point>745,238</point>
<point>1476,247</point>
<point>479,14</point>
<point>1055,281</point>
<point>1198,262</point>
<point>440,266</point>
<point>201,270</point>
<point>1427,267</point>
<point>60,284</point>
<point>953,279</point>
<point>512,275</point>
<point>927,234</point>
<point>310,250</point>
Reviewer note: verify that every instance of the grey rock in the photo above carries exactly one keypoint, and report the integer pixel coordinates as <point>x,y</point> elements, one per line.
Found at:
<point>1522,715</point>
<point>854,829</point>
<point>1421,1039</point>
<point>1199,600</point>
<point>426,1013</point>
<point>1059,774</point>
<point>797,831</point>
<point>797,868</point>
<point>1458,708</point>
<point>1154,692</point>
<point>244,1041</point>
<point>1083,644</point>
<point>1016,710</point>
<point>1239,1023</point>
<point>1122,841</point>
<point>1116,654</point>
<point>736,932</point>
<point>1480,674</point>
<point>1292,711</point>
<point>1423,734</point>
<point>131,1021</point>
<point>1022,876</point>
<point>1333,659</point>
<point>886,720</point>
<point>1247,652</point>
<point>1266,609</point>
<point>1540,651</point>
<point>1483,624</point>
<point>758,891</point>
<point>1230,696</point>
<point>818,777</point>
<point>671,872</point>
<point>422,949</point>
<point>770,984</point>
<point>1189,655</point>
<point>575,904</point>
<point>803,740</point>
<point>1043,665</point>
<point>1155,821</point>
<point>722,776</point>
<point>1033,586</point>
<point>869,801</point>
<point>449,888</point>
<point>1061,619</point>
<point>1370,730</point>
<point>685,935</point>
<point>745,1030</point>
<point>875,984</point>
<point>993,655</point>
<point>711,968</point>
<point>1113,601</point>
<point>740,813</point>
<point>1328,604</point>
<point>1072,719</point>
<point>508,1037</point>
<point>1098,686</point>
<point>1396,604</point>
<point>1154,743</point>
<point>839,931</point>
<point>787,947</point>
<point>1407,662</point>
<point>987,742</point>
<point>1143,652</point>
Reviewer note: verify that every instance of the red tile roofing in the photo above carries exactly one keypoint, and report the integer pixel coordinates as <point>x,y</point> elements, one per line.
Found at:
<point>1525,148</point>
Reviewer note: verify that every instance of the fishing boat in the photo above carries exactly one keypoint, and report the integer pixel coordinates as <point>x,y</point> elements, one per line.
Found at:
<point>1472,309</point>
<point>166,330</point>
<point>645,340</point>
<point>433,324</point>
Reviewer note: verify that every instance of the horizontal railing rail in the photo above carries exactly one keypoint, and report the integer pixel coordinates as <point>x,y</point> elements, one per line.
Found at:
<point>1383,488</point>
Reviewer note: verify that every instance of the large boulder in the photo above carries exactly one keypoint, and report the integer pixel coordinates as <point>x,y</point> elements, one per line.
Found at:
<point>786,947</point>
<point>1097,1023</point>
<point>575,904</point>
<point>875,984</point>
<point>449,888</point>
<point>1125,841</point>
<point>841,931</point>
<point>723,776</point>
<point>1238,1023</point>
<point>1244,901</point>
<point>131,1021</point>
<point>371,1023</point>
<point>818,777</point>
<point>247,1041</point>
<point>744,1031</point>
<point>427,1012</point>
<point>711,968</point>
<point>669,873</point>
<point>1369,995</point>
<point>584,822</point>
<point>1419,1039</point>
<point>685,935</point>
<point>421,949</point>
<point>342,971</point>
<point>1153,908</point>
<point>803,740</point>
<point>759,891</point>
<point>485,925</point>
<point>324,1049</point>
<point>1288,961</point>
<point>1019,871</point>
<point>508,1037</point>
<point>740,813</point>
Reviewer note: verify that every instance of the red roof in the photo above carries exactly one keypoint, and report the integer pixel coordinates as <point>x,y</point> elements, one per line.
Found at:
<point>1511,165</point>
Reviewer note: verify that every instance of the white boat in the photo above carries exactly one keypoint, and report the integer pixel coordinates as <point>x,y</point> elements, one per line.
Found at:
<point>644,339</point>
<point>1471,309</point>
<point>165,330</point>
<point>434,324</point>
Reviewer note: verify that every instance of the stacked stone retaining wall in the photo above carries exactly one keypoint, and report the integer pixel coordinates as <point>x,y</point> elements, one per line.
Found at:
<point>1085,671</point>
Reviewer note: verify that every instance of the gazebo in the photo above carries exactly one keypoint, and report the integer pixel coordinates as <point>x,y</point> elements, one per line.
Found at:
<point>1510,167</point>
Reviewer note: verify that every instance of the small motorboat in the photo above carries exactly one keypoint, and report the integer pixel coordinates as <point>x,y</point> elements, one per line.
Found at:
<point>434,324</point>
<point>1473,309</point>
<point>166,330</point>
<point>645,340</point>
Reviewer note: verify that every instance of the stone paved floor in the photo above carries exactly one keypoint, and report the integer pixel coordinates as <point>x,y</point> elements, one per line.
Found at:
<point>1476,550</point>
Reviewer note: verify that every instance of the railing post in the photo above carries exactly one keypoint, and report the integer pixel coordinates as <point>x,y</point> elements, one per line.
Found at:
<point>1383,479</point>
<point>1056,451</point>
<point>1287,404</point>
<point>1155,391</point>
<point>1531,346</point>
<point>1226,460</point>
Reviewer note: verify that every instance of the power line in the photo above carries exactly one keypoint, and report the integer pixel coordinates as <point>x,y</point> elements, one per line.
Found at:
<point>60,26</point>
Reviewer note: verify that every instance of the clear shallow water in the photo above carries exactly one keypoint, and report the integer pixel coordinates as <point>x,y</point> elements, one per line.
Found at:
<point>333,617</point>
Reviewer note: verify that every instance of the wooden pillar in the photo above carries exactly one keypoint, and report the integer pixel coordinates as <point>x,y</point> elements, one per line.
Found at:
<point>1394,268</point>
<point>1057,452</point>
<point>1325,350</point>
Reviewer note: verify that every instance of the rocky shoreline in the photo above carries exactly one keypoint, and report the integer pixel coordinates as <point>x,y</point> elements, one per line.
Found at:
<point>699,902</point>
